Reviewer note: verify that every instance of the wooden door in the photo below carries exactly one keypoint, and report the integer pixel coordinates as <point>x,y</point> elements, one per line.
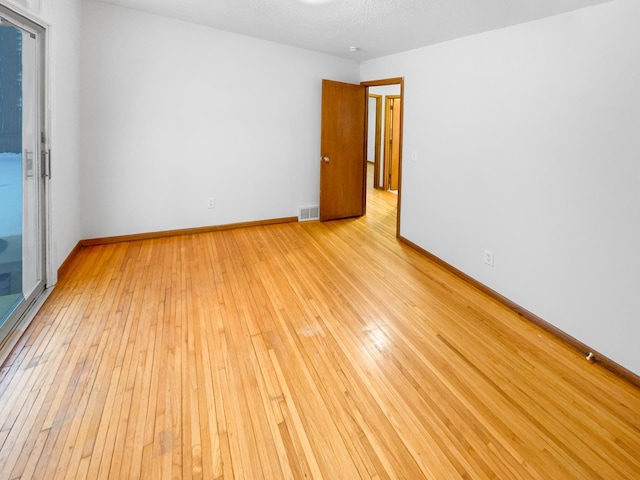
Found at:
<point>392,141</point>
<point>343,150</point>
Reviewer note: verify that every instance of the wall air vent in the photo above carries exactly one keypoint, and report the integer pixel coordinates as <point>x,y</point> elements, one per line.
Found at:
<point>309,213</point>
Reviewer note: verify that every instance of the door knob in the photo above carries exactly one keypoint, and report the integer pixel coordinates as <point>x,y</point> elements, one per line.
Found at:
<point>325,159</point>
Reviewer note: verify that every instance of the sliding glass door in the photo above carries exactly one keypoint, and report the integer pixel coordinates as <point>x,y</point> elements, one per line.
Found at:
<point>21,167</point>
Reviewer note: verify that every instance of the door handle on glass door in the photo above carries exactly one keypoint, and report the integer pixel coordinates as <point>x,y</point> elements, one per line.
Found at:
<point>28,164</point>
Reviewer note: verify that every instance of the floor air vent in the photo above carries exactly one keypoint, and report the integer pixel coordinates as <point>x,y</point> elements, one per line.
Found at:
<point>309,213</point>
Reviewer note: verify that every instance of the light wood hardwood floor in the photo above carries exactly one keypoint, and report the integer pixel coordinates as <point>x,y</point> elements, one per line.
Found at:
<point>299,351</point>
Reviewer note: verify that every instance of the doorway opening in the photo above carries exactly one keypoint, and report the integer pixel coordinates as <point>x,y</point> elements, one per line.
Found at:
<point>385,138</point>
<point>343,147</point>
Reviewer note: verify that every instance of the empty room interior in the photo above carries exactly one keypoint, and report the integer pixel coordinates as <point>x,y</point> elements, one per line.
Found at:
<point>328,239</point>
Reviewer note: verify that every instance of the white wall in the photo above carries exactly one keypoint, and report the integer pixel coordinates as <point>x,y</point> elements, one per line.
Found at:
<point>371,131</point>
<point>174,113</point>
<point>528,145</point>
<point>63,18</point>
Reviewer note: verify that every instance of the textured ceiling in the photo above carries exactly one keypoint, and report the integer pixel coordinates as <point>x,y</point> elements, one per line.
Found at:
<point>377,27</point>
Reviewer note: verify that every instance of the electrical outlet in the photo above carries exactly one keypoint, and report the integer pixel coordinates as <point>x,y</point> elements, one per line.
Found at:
<point>488,258</point>
<point>211,202</point>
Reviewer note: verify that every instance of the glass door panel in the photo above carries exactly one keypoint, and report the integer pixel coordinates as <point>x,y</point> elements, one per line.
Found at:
<point>21,183</point>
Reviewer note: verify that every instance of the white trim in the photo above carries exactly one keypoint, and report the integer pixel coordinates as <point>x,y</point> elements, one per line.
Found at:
<point>34,24</point>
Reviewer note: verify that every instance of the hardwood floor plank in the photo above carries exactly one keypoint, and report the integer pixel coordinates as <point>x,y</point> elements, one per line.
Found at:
<point>292,419</point>
<point>308,350</point>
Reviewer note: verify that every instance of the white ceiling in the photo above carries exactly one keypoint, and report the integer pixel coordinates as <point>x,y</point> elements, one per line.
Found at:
<point>377,27</point>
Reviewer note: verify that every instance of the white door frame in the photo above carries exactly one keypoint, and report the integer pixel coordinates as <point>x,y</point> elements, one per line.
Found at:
<point>37,29</point>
